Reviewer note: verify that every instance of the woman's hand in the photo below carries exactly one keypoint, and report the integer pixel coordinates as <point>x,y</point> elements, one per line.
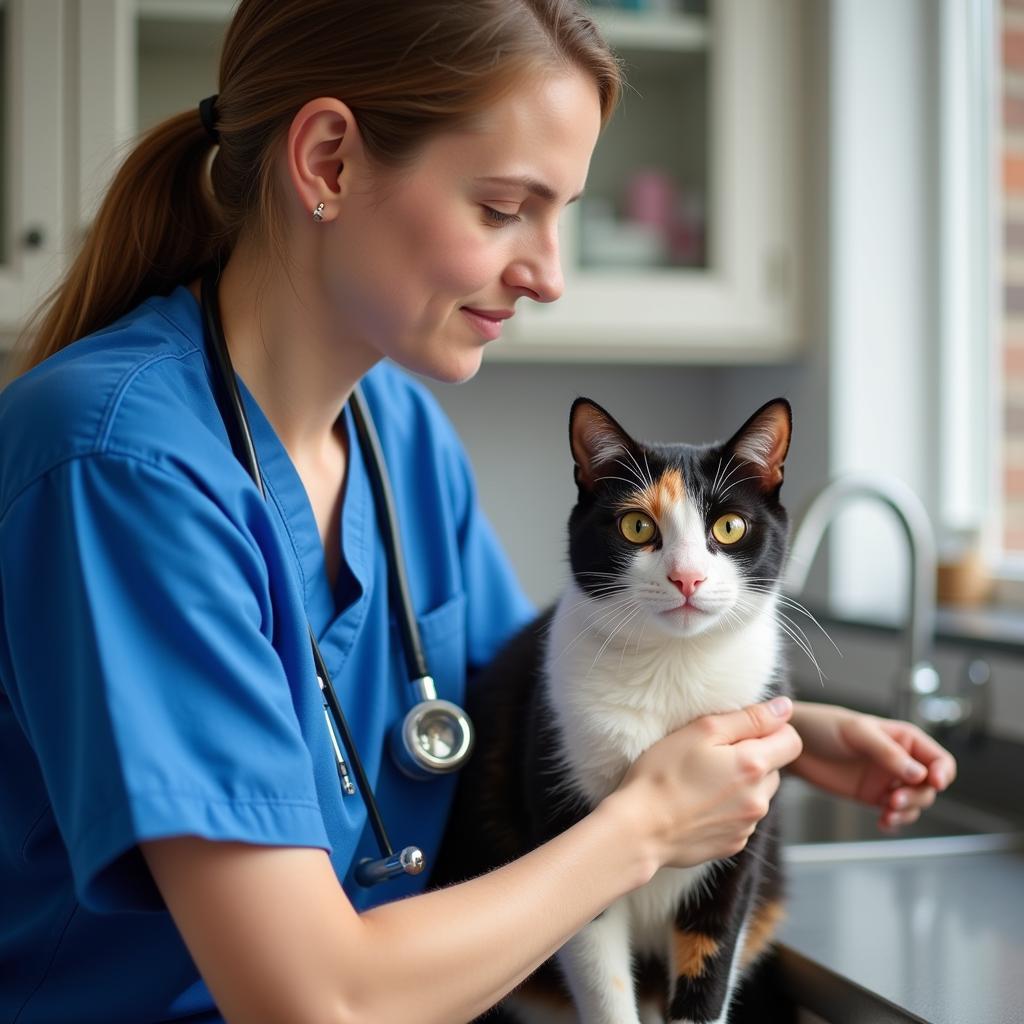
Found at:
<point>698,793</point>
<point>888,764</point>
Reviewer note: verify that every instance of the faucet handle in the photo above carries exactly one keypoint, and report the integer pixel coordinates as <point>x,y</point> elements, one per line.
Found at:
<point>976,689</point>
<point>915,686</point>
<point>968,708</point>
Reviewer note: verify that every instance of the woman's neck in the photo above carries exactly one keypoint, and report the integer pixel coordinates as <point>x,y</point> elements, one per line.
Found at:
<point>285,347</point>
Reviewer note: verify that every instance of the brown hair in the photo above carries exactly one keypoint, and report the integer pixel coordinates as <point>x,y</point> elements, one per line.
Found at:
<point>407,71</point>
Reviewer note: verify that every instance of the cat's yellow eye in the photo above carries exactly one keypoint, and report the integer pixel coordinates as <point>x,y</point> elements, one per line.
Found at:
<point>729,528</point>
<point>637,528</point>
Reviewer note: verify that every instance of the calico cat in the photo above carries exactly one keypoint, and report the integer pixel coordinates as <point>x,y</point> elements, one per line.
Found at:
<point>676,555</point>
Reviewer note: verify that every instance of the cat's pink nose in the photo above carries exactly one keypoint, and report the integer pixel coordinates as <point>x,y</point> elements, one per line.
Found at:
<point>687,580</point>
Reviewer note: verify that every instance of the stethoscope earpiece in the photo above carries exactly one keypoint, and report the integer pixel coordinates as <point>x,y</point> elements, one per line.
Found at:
<point>436,736</point>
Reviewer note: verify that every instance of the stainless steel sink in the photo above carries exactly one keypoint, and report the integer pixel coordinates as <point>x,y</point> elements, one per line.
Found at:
<point>816,826</point>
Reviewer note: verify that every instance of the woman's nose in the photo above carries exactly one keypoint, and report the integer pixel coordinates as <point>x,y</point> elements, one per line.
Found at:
<point>538,273</point>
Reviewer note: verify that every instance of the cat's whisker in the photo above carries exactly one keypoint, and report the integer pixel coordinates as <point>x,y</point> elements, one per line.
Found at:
<point>625,646</point>
<point>719,478</point>
<point>638,480</point>
<point>714,483</point>
<point>794,632</point>
<point>590,623</point>
<point>789,602</point>
<point>736,483</point>
<point>729,472</point>
<point>650,476</point>
<point>600,592</point>
<point>623,480</point>
<point>645,482</point>
<point>797,635</point>
<point>643,626</point>
<point>611,636</point>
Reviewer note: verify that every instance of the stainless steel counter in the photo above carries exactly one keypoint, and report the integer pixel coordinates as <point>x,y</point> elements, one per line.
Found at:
<point>904,933</point>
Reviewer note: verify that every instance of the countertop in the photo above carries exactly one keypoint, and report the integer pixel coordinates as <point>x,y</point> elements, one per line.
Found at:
<point>991,629</point>
<point>918,937</point>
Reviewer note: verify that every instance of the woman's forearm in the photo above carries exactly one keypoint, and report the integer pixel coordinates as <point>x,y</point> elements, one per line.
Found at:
<point>504,924</point>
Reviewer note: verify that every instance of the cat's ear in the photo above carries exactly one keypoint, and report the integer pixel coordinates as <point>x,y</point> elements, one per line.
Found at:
<point>597,443</point>
<point>763,442</point>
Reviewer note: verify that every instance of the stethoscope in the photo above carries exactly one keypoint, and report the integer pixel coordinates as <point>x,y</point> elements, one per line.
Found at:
<point>436,736</point>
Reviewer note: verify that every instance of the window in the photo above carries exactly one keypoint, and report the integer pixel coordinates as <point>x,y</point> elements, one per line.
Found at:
<point>1010,101</point>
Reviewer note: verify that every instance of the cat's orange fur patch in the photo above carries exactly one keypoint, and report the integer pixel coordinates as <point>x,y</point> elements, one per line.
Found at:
<point>618,983</point>
<point>656,498</point>
<point>692,951</point>
<point>763,922</point>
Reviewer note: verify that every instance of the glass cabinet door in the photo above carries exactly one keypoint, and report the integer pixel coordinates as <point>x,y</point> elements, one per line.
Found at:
<point>646,204</point>
<point>686,245</point>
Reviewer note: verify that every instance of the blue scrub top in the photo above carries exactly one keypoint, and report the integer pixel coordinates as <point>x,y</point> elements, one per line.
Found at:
<point>155,669</point>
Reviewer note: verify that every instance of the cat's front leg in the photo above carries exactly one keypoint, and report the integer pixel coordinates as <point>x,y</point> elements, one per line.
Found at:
<point>597,966</point>
<point>703,942</point>
<point>705,977</point>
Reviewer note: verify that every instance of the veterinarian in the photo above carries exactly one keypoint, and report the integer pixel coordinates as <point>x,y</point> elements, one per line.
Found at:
<point>181,815</point>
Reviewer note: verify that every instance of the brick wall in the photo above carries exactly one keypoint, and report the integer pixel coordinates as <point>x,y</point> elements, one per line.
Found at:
<point>1013,280</point>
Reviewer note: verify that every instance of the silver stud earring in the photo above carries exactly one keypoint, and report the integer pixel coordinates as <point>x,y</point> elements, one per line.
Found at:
<point>318,213</point>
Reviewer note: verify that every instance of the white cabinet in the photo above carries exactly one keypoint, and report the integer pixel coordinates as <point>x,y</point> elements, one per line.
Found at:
<point>66,92</point>
<point>714,127</point>
<point>34,220</point>
<point>685,247</point>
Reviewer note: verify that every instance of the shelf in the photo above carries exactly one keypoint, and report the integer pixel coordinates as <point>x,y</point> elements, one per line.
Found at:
<point>679,33</point>
<point>187,10</point>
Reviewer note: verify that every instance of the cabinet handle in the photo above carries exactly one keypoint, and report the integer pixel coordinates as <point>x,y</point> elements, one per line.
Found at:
<point>34,238</point>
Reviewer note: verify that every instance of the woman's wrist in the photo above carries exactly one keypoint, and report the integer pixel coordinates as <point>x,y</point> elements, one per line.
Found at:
<point>629,828</point>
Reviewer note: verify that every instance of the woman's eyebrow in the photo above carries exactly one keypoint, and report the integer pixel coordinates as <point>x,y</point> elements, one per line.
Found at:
<point>538,188</point>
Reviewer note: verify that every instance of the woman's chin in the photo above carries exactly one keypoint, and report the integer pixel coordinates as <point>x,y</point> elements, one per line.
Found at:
<point>455,369</point>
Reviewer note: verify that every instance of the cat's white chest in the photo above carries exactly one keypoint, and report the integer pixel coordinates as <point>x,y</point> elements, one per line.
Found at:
<point>614,700</point>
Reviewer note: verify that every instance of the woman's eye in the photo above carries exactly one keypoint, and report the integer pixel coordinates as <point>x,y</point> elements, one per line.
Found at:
<point>497,218</point>
<point>729,528</point>
<point>637,528</point>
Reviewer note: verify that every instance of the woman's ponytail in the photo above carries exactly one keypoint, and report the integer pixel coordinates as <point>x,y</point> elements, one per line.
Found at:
<point>155,227</point>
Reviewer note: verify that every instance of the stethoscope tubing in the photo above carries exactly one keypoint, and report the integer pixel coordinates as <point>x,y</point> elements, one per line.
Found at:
<point>240,435</point>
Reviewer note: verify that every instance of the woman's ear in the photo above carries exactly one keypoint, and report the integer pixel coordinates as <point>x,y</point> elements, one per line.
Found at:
<point>324,153</point>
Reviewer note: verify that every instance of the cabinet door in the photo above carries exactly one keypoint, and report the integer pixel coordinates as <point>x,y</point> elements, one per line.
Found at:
<point>33,204</point>
<point>685,247</point>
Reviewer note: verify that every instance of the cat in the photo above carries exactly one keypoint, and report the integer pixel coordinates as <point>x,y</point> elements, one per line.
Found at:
<point>676,555</point>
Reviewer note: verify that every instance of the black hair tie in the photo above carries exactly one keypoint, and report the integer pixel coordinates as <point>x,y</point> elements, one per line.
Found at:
<point>208,115</point>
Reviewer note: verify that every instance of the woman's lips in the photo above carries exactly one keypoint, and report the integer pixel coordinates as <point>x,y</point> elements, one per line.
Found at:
<point>486,322</point>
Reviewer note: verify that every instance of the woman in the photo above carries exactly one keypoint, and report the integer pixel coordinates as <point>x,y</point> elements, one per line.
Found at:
<point>387,183</point>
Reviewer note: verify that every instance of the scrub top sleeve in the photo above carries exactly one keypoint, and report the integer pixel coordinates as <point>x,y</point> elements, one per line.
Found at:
<point>496,606</point>
<point>143,672</point>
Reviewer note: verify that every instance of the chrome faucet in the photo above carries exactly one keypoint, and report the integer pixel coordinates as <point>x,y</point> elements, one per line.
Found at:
<point>916,696</point>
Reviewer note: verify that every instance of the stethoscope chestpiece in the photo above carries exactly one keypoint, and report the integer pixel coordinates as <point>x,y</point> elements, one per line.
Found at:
<point>434,738</point>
